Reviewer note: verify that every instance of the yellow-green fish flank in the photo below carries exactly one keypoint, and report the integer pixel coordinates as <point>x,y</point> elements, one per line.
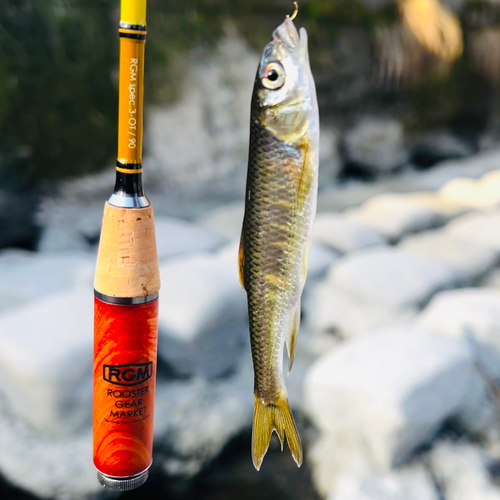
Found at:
<point>279,210</point>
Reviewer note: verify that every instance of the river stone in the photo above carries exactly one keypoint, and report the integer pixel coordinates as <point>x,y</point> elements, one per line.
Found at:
<point>471,260</point>
<point>376,144</point>
<point>436,146</point>
<point>471,193</point>
<point>224,408</point>
<point>385,394</point>
<point>46,361</point>
<point>59,239</point>
<point>330,310</point>
<point>472,315</point>
<point>202,316</point>
<point>46,466</point>
<point>461,472</point>
<point>343,234</point>
<point>481,228</point>
<point>176,237</point>
<point>226,220</point>
<point>201,140</point>
<point>392,278</point>
<point>408,483</point>
<point>27,276</point>
<point>395,215</point>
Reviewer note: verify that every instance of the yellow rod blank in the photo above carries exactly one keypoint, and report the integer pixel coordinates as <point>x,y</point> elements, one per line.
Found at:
<point>133,12</point>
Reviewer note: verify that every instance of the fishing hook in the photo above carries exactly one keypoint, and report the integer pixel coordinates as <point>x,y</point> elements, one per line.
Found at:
<point>295,12</point>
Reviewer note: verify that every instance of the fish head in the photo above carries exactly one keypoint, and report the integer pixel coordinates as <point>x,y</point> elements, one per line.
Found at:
<point>284,87</point>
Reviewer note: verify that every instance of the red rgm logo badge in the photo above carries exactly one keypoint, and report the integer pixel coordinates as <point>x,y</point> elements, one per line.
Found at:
<point>130,374</point>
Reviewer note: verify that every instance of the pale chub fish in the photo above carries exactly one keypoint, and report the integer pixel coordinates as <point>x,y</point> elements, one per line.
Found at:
<point>280,206</point>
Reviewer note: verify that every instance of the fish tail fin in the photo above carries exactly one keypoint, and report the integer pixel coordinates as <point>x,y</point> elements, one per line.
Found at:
<point>274,416</point>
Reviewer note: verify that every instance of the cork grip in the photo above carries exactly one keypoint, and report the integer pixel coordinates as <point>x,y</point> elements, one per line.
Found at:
<point>127,261</point>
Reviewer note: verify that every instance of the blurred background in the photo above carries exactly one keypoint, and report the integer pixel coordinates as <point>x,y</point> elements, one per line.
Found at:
<point>395,382</point>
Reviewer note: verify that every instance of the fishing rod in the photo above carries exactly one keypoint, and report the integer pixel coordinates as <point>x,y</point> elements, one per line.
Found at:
<point>126,287</point>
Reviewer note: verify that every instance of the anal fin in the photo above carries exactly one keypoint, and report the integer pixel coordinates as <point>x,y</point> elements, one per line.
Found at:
<point>291,340</point>
<point>241,259</point>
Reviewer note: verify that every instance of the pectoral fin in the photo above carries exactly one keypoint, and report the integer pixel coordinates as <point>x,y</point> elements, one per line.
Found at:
<point>306,179</point>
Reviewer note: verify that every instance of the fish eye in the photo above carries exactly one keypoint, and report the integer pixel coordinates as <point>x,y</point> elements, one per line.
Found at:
<point>274,76</point>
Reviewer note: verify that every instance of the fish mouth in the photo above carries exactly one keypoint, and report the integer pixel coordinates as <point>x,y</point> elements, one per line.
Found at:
<point>286,34</point>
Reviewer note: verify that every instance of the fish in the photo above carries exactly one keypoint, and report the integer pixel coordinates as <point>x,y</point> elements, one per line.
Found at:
<point>280,205</point>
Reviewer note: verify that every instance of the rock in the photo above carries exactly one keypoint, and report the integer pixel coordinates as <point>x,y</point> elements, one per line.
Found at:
<point>48,467</point>
<point>176,237</point>
<point>223,407</point>
<point>321,259</point>
<point>343,234</point>
<point>446,208</point>
<point>387,393</point>
<point>407,483</point>
<point>202,316</point>
<point>470,193</point>
<point>436,146</point>
<point>396,216</point>
<point>471,261</point>
<point>461,472</point>
<point>492,280</point>
<point>376,145</point>
<point>330,310</point>
<point>353,193</point>
<point>481,194</point>
<point>79,205</point>
<point>201,141</point>
<point>19,227</point>
<point>329,160</point>
<point>481,228</point>
<point>27,276</point>
<point>391,278</point>
<point>46,361</point>
<point>226,220</point>
<point>56,239</point>
<point>472,315</point>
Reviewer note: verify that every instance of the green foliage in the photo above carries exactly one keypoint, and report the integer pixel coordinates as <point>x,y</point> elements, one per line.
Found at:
<point>57,99</point>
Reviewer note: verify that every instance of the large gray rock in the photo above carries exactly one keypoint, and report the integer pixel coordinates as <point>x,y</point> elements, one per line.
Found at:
<point>392,278</point>
<point>461,472</point>
<point>176,237</point>
<point>376,144</point>
<point>46,466</point>
<point>407,483</point>
<point>384,395</point>
<point>16,219</point>
<point>226,220</point>
<point>472,315</point>
<point>46,361</point>
<point>471,260</point>
<point>61,239</point>
<point>481,228</point>
<point>202,316</point>
<point>195,418</point>
<point>343,234</point>
<point>329,160</point>
<point>201,141</point>
<point>481,194</point>
<point>438,145</point>
<point>395,215</point>
<point>330,310</point>
<point>27,276</point>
